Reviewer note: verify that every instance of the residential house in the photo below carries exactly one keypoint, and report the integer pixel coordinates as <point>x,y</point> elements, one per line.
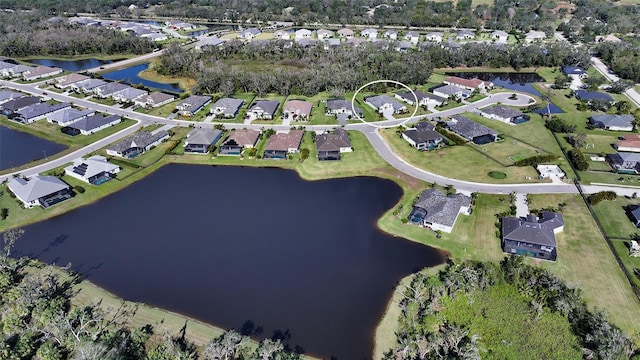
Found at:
<point>438,211</point>
<point>324,34</point>
<point>10,107</point>
<point>239,140</point>
<point>465,35</point>
<point>634,212</point>
<point>403,46</point>
<point>471,130</point>
<point>424,99</point>
<point>6,95</point>
<point>345,33</point>
<point>629,143</point>
<point>342,109</point>
<point>451,45</point>
<point>281,34</point>
<point>533,36</point>
<point>307,42</point>
<point>383,103</point>
<point>302,34</point>
<point>14,70</point>
<point>95,170</point>
<point>448,91</point>
<point>157,36</point>
<point>191,105</point>
<point>154,100</point>
<point>66,81</point>
<point>109,89</point>
<point>330,146</point>
<point>390,34</point>
<point>263,109</point>
<point>137,144</point>
<point>574,71</point>
<point>354,42</point>
<point>589,96</point>
<point>200,140</point>
<point>68,116</point>
<point>412,37</point>
<point>281,144</point>
<point>227,107</point>
<point>40,72</point>
<point>211,41</point>
<point>469,84</point>
<point>369,33</point>
<point>38,111</point>
<point>331,43</point>
<point>532,236</point>
<point>40,190</point>
<point>504,113</point>
<point>87,86</point>
<point>184,26</point>
<point>612,122</point>
<point>130,94</point>
<point>625,162</point>
<point>422,136</point>
<point>297,110</point>
<point>91,124</point>
<point>500,36</point>
<point>434,36</point>
<point>249,34</point>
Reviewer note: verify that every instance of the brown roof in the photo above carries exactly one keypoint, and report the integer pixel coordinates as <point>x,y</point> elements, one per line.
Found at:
<point>630,141</point>
<point>303,106</point>
<point>333,142</point>
<point>465,82</point>
<point>284,142</point>
<point>244,137</point>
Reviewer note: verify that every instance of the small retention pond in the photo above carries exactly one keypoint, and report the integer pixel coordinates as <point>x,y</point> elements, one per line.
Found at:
<point>72,65</point>
<point>130,76</point>
<point>18,148</point>
<point>245,248</point>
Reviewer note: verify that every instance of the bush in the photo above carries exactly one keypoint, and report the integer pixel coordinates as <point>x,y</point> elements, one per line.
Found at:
<point>600,196</point>
<point>536,160</point>
<point>4,213</point>
<point>578,159</point>
<point>559,126</point>
<point>457,139</point>
<point>79,189</point>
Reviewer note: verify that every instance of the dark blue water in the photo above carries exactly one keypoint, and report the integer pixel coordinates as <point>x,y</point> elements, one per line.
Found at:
<point>513,81</point>
<point>72,65</point>
<point>18,148</point>
<point>234,246</point>
<point>130,76</point>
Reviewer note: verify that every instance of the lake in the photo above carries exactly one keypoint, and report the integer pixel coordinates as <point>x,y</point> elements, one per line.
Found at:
<point>513,81</point>
<point>130,76</point>
<point>72,65</point>
<point>237,246</point>
<point>18,148</point>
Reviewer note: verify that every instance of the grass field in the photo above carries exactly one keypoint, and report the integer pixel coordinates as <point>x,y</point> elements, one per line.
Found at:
<point>613,217</point>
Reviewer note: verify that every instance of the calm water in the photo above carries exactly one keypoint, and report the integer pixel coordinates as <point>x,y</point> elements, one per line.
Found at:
<point>72,65</point>
<point>239,246</point>
<point>513,81</point>
<point>18,148</point>
<point>130,76</point>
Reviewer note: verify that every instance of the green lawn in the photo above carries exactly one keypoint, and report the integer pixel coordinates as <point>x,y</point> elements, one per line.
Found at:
<point>77,95</point>
<point>507,151</point>
<point>108,101</point>
<point>613,217</point>
<point>161,111</point>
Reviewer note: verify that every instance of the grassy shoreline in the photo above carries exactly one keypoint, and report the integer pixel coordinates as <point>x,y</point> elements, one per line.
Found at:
<point>150,74</point>
<point>81,57</point>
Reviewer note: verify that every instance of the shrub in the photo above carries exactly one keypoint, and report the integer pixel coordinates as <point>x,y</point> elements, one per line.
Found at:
<point>79,189</point>
<point>559,126</point>
<point>4,213</point>
<point>578,159</point>
<point>457,139</point>
<point>536,160</point>
<point>600,196</point>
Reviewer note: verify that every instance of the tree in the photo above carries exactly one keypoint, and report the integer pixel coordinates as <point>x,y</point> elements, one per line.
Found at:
<point>578,140</point>
<point>600,105</point>
<point>594,81</point>
<point>562,81</point>
<point>623,107</point>
<point>10,237</point>
<point>304,154</point>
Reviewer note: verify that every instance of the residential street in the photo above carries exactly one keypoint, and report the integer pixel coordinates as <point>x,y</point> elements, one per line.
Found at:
<point>631,93</point>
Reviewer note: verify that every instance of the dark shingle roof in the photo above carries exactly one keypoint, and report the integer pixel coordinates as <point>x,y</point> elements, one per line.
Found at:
<point>502,111</point>
<point>202,136</point>
<point>93,122</point>
<point>612,120</point>
<point>230,105</point>
<point>441,209</point>
<point>140,139</point>
<point>468,128</point>
<point>422,135</point>
<point>420,95</point>
<point>19,103</point>
<point>533,230</point>
<point>269,106</point>
<point>40,109</point>
<point>333,142</point>
<point>592,95</point>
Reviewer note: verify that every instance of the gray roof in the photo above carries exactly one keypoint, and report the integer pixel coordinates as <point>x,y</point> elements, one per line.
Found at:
<point>499,33</point>
<point>19,69</point>
<point>612,120</point>
<point>468,128</point>
<point>533,230</point>
<point>268,106</point>
<point>440,208</point>
<point>622,157</point>
<point>6,65</point>
<point>407,96</point>
<point>194,102</point>
<point>92,166</point>
<point>284,142</point>
<point>6,95</point>
<point>462,33</point>
<point>333,42</point>
<point>203,136</point>
<point>324,32</point>
<point>434,34</point>
<point>452,90</point>
<point>36,187</point>
<point>93,122</point>
<point>403,44</point>
<point>19,103</point>
<point>230,105</point>
<point>592,95</point>
<point>422,134</point>
<point>502,111</point>
<point>131,93</point>
<point>69,114</point>
<point>336,104</point>
<point>90,84</point>
<point>111,88</point>
<point>452,44</point>
<point>381,100</point>
<point>40,109</point>
<point>333,142</point>
<point>251,31</point>
<point>307,42</point>
<point>140,139</point>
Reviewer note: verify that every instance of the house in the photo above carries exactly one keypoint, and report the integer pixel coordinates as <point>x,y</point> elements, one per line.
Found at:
<point>239,140</point>
<point>129,94</point>
<point>200,140</point>
<point>14,70</point>
<point>302,34</point>
<point>10,107</point>
<point>281,144</point>
<point>91,124</point>
<point>87,86</point>
<point>434,36</point>
<point>550,171</point>
<point>109,89</point>
<point>634,211</point>
<point>390,34</point>
<point>6,95</point>
<point>38,111</point>
<point>424,99</point>
<point>451,45</point>
<point>330,146</point>
<point>281,34</point>
<point>226,107</point>
<point>532,236</point>
<point>307,42</point>
<point>469,84</point>
<point>533,36</point>
<point>422,136</point>
<point>404,46</point>
<point>447,91</point>
<point>40,190</point>
<point>95,170</point>
<point>630,143</point>
<point>297,110</point>
<point>574,71</point>
<point>465,35</point>
<point>68,116</point>
<point>184,26</point>
<point>354,42</point>
<point>504,113</point>
<point>438,211</point>
<point>66,81</point>
<point>625,162</point>
<point>345,33</point>
<point>137,144</point>
<point>331,43</point>
<point>499,36</point>
<point>40,72</point>
<point>589,96</point>
<point>342,109</point>
<point>383,103</point>
<point>211,41</point>
<point>369,33</point>
<point>156,36</point>
<point>191,105</point>
<point>249,34</point>
<point>471,130</point>
<point>263,109</point>
<point>154,100</point>
<point>612,122</point>
<point>412,37</point>
<point>324,34</point>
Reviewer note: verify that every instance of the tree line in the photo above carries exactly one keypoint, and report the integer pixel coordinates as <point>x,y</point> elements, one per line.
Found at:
<point>623,58</point>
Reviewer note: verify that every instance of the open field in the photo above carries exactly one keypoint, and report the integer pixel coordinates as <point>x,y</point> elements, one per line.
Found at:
<point>613,217</point>
<point>150,73</point>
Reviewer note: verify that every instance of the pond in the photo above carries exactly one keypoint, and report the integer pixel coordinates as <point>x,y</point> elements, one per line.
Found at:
<point>130,76</point>
<point>18,148</point>
<point>513,81</point>
<point>72,65</point>
<point>245,247</point>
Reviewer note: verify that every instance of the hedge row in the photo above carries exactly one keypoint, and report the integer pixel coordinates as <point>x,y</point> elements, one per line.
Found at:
<point>457,139</point>
<point>536,160</point>
<point>600,196</point>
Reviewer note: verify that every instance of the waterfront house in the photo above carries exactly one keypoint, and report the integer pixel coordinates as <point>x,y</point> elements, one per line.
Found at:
<point>390,34</point>
<point>129,94</point>
<point>226,107</point>
<point>87,86</point>
<point>40,190</point>
<point>589,96</point>
<point>448,91</point>
<point>68,116</point>
<point>91,124</point>
<point>532,236</point>
<point>345,33</point>
<point>499,36</point>
<point>6,95</point>
<point>424,99</point>
<point>504,113</point>
<point>200,140</point>
<point>109,89</point>
<point>465,35</point>
<point>324,34</point>
<point>191,105</point>
<point>137,144</point>
<point>154,100</point>
<point>612,122</point>
<point>10,107</point>
<point>438,211</point>
<point>282,35</point>
<point>423,136</point>
<point>95,170</point>
<point>471,130</point>
<point>14,70</point>
<point>384,103</point>
<point>297,110</point>
<point>239,140</point>
<point>574,71</point>
<point>302,34</point>
<point>249,34</point>
<point>38,111</point>
<point>263,109</point>
<point>281,144</point>
<point>630,143</point>
<point>434,36</point>
<point>39,72</point>
<point>369,33</point>
<point>469,84</point>
<point>65,81</point>
<point>331,145</point>
<point>412,37</point>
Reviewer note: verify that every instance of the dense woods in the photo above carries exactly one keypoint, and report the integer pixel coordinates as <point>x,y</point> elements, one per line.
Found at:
<point>622,58</point>
<point>470,310</point>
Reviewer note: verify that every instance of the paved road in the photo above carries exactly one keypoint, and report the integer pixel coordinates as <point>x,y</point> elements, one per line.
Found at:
<point>145,57</point>
<point>631,93</point>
